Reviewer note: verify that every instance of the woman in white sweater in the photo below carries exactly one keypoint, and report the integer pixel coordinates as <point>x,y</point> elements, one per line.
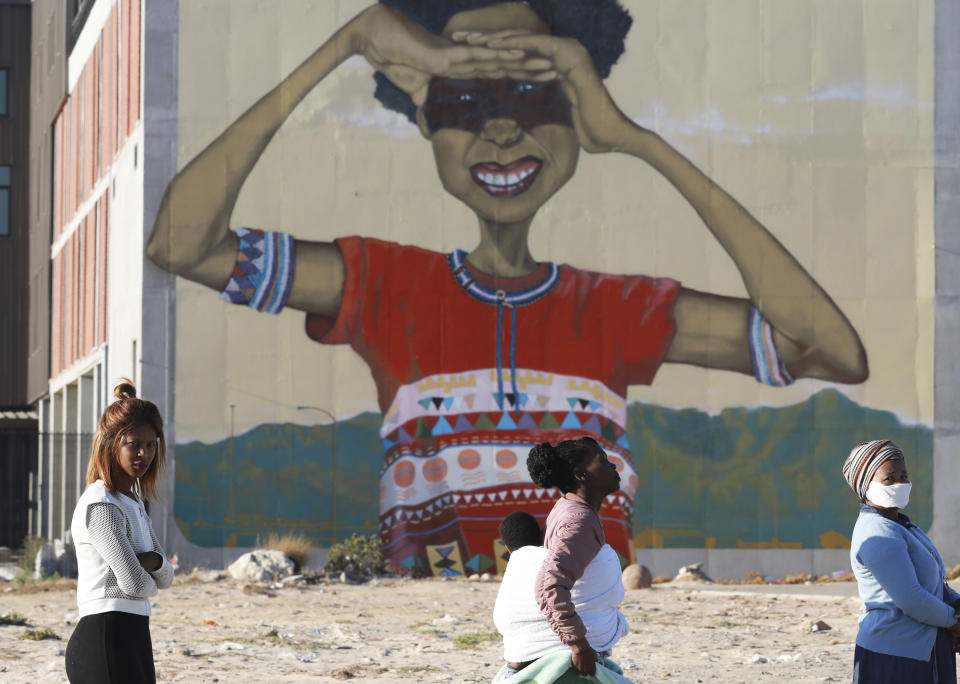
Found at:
<point>119,560</point>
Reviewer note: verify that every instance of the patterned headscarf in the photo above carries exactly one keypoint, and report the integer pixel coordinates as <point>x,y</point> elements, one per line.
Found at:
<point>864,461</point>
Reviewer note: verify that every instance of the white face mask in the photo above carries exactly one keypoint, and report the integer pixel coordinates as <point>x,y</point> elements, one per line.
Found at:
<point>889,496</point>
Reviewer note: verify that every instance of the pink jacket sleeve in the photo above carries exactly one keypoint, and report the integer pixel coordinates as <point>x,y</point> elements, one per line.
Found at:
<point>574,543</point>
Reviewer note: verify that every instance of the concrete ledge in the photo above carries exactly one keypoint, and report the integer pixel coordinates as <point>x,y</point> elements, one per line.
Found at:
<point>736,563</point>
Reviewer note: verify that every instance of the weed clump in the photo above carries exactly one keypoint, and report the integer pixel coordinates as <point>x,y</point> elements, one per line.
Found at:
<point>357,556</point>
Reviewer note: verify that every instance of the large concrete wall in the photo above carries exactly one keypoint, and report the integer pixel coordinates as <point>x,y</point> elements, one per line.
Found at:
<point>946,528</point>
<point>817,117</point>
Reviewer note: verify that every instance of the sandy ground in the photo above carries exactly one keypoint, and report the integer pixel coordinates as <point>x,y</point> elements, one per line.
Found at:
<point>435,630</point>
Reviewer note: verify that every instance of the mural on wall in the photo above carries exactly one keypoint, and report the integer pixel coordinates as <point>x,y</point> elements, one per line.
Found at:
<point>481,349</point>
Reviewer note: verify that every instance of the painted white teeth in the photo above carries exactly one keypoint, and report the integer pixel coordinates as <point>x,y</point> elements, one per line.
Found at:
<point>501,180</point>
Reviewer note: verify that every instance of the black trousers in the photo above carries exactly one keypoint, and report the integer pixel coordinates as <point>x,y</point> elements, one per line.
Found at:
<point>109,648</point>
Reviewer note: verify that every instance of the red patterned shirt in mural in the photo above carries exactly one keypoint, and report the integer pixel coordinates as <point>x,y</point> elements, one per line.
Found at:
<point>472,370</point>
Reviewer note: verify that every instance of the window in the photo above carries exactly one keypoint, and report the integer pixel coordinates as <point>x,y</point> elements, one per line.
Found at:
<point>77,13</point>
<point>3,92</point>
<point>4,200</point>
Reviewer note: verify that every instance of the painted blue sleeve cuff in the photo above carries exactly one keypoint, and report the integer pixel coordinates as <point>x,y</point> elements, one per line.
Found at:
<point>768,368</point>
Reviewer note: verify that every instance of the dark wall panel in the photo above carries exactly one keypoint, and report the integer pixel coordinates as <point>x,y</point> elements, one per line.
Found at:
<point>14,151</point>
<point>18,459</point>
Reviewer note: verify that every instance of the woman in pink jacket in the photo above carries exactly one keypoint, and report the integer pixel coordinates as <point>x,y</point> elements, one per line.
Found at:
<point>574,534</point>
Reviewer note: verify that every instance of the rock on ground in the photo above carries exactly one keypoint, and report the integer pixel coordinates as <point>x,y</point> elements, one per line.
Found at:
<point>637,576</point>
<point>692,573</point>
<point>262,565</point>
<point>9,571</point>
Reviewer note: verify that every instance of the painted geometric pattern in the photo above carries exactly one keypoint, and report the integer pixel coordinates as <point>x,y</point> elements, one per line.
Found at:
<point>518,442</point>
<point>460,469</point>
<point>248,271</point>
<point>476,392</point>
<point>445,560</point>
<point>470,522</point>
<point>263,271</point>
<point>602,428</point>
<point>426,511</point>
<point>501,554</point>
<point>455,453</point>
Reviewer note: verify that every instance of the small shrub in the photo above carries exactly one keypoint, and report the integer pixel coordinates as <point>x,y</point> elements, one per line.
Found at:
<point>39,634</point>
<point>28,552</point>
<point>296,546</point>
<point>358,556</point>
<point>26,577</point>
<point>23,577</point>
<point>12,619</point>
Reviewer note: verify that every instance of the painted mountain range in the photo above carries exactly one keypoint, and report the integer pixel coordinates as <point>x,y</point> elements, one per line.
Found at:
<point>749,478</point>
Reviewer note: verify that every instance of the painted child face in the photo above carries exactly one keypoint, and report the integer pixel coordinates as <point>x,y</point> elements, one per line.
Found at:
<point>501,146</point>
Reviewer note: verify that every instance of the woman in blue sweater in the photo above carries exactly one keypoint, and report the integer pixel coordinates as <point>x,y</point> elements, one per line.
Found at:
<point>909,628</point>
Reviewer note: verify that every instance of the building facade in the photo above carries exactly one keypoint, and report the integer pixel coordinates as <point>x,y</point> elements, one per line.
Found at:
<point>87,153</point>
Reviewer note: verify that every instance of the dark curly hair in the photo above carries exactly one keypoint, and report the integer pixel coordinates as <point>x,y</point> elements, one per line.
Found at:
<point>520,529</point>
<point>599,25</point>
<point>553,466</point>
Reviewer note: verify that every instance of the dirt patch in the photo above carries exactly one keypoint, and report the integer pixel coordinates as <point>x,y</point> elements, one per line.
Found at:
<point>434,630</point>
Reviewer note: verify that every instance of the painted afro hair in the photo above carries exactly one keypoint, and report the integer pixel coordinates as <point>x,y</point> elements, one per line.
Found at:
<point>599,25</point>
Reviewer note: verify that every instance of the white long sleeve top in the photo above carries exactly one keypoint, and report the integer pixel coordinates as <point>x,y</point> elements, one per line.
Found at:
<point>596,595</point>
<point>109,530</point>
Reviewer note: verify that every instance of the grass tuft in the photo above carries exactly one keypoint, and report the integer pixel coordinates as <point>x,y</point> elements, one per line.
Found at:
<point>474,640</point>
<point>296,546</point>
<point>12,619</point>
<point>39,634</point>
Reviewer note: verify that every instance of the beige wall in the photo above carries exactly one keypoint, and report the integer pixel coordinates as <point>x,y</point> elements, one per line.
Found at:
<point>817,116</point>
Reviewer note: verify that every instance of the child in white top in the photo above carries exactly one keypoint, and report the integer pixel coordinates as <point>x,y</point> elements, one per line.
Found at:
<point>526,633</point>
